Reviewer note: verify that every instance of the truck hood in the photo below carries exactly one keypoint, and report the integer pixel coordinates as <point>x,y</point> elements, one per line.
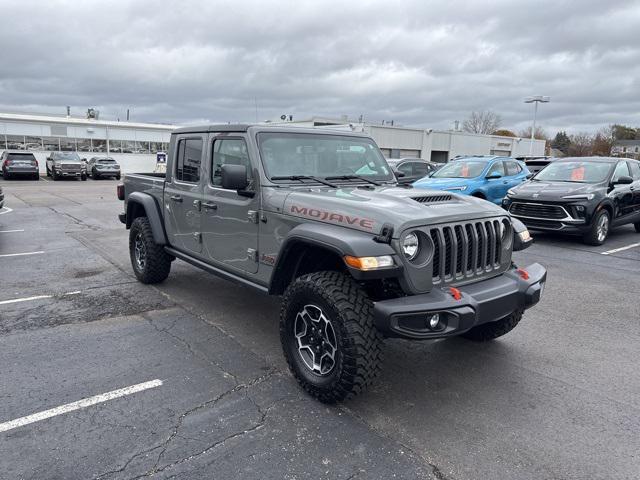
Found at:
<point>543,190</point>
<point>370,208</point>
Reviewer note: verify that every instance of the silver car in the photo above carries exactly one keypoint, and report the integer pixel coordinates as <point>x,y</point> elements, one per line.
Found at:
<point>103,167</point>
<point>19,164</point>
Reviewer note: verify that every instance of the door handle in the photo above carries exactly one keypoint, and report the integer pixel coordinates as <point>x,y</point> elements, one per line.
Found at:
<point>209,206</point>
<point>176,198</point>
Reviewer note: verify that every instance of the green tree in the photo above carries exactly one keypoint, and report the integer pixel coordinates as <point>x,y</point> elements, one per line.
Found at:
<point>561,142</point>
<point>622,132</point>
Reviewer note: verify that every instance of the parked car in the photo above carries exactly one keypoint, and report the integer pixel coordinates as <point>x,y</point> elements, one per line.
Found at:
<point>408,170</point>
<point>535,164</point>
<point>66,164</point>
<point>486,177</point>
<point>19,164</point>
<point>101,167</point>
<point>586,196</point>
<point>318,218</point>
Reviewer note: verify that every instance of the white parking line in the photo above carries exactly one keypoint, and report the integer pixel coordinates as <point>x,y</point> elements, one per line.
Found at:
<point>84,403</point>
<point>10,231</point>
<point>621,249</point>
<point>21,254</point>
<point>37,297</point>
<point>5,210</point>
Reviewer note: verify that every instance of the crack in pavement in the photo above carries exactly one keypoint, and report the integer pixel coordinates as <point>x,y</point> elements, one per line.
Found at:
<point>435,470</point>
<point>263,417</point>
<point>165,444</point>
<point>184,342</point>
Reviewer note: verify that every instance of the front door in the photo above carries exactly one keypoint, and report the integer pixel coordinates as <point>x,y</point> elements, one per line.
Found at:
<point>497,187</point>
<point>621,193</point>
<point>183,195</point>
<point>230,218</point>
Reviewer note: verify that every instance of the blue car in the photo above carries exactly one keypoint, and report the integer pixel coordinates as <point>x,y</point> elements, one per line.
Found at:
<point>486,177</point>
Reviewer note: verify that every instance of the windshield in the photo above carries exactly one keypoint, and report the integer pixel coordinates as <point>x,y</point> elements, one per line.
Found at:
<point>286,154</point>
<point>576,172</point>
<point>460,169</point>
<point>66,156</point>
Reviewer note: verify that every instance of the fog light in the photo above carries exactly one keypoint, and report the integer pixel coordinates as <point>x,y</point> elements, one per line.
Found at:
<point>434,321</point>
<point>580,208</point>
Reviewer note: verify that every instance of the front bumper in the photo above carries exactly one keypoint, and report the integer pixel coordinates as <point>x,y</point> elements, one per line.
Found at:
<point>482,302</point>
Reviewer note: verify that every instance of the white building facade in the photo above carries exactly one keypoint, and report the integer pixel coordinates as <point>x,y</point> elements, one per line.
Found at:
<point>133,145</point>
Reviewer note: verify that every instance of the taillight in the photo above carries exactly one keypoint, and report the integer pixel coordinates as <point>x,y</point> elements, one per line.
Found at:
<point>34,162</point>
<point>120,191</point>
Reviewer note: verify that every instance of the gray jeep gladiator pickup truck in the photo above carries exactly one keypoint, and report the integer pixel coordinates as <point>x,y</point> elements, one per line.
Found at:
<point>317,217</point>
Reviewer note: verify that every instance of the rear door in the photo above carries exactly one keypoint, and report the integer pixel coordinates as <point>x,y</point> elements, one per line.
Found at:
<point>183,194</point>
<point>230,219</point>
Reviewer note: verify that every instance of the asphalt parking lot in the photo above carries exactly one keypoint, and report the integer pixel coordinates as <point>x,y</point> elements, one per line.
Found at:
<point>210,396</point>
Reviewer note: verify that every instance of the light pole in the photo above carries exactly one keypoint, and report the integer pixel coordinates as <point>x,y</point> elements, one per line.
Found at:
<point>536,100</point>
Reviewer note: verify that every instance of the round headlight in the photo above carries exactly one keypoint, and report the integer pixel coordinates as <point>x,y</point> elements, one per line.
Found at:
<point>410,246</point>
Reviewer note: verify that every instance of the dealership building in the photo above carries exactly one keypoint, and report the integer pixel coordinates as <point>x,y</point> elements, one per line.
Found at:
<point>436,145</point>
<point>134,145</point>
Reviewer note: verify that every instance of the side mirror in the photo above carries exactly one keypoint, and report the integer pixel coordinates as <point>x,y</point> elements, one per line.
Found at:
<point>400,174</point>
<point>493,176</point>
<point>623,180</point>
<point>234,177</point>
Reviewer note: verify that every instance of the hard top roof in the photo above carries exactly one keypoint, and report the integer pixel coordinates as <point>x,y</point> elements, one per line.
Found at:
<point>592,159</point>
<point>242,127</point>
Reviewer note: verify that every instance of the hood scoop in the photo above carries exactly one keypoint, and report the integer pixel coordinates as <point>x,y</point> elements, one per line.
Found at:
<point>432,198</point>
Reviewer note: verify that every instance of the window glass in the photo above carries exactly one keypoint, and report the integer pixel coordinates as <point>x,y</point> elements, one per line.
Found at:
<point>67,144</point>
<point>575,171</point>
<point>635,170</point>
<point>421,169</point>
<point>513,168</point>
<point>188,160</point>
<point>406,168</point>
<point>83,144</point>
<point>460,169</point>
<point>142,147</point>
<point>15,142</point>
<point>33,143</point>
<point>156,147</point>
<point>229,151</point>
<point>496,169</point>
<point>98,145</point>
<point>622,169</point>
<point>51,143</point>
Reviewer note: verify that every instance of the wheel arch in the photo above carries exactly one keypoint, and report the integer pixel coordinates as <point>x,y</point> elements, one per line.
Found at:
<point>144,205</point>
<point>311,247</point>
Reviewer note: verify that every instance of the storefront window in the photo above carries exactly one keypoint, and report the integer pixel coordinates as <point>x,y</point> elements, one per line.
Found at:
<point>142,147</point>
<point>128,146</point>
<point>3,141</point>
<point>83,144</point>
<point>98,145</point>
<point>115,146</point>
<point>51,143</point>
<point>15,142</point>
<point>33,143</point>
<point>67,144</point>
<point>156,147</point>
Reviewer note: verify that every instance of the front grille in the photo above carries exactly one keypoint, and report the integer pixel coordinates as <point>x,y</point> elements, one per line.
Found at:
<point>432,198</point>
<point>70,167</point>
<point>542,224</point>
<point>538,210</point>
<point>467,250</point>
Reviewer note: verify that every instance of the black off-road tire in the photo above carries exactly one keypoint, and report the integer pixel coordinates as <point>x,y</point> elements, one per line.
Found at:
<point>637,227</point>
<point>489,331</point>
<point>358,354</point>
<point>54,175</point>
<point>7,176</point>
<point>591,237</point>
<point>36,176</point>
<point>83,177</point>
<point>157,263</point>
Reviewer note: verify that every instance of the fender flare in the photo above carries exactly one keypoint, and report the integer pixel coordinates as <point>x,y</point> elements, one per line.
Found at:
<point>339,240</point>
<point>152,212</point>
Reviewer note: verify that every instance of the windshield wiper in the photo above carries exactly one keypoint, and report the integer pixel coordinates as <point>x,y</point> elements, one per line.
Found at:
<point>354,177</point>
<point>304,177</point>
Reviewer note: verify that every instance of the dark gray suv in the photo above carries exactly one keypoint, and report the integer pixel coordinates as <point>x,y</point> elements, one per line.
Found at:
<point>19,164</point>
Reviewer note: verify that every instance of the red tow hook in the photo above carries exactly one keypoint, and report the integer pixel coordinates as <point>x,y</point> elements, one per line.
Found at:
<point>523,273</point>
<point>455,293</point>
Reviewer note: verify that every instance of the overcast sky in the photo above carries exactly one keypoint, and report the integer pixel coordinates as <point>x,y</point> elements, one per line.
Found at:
<point>421,63</point>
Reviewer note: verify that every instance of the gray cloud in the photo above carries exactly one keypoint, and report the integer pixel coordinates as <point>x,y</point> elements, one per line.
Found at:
<point>419,63</point>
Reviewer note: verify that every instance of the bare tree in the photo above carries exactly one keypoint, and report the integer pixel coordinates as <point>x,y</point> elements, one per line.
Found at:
<point>581,145</point>
<point>540,133</point>
<point>485,122</point>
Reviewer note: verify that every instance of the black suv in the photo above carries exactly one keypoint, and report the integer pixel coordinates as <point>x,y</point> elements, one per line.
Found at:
<point>583,195</point>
